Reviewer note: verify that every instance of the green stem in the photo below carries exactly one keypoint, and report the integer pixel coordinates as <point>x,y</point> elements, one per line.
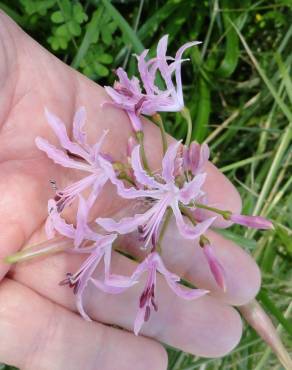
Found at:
<point>124,176</point>
<point>42,249</point>
<point>164,227</point>
<point>158,120</point>
<point>140,139</point>
<point>186,115</point>
<point>185,210</point>
<point>225,214</point>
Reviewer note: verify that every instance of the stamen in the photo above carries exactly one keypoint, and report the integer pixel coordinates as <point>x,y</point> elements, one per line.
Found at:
<point>147,314</point>
<point>124,91</point>
<point>139,104</point>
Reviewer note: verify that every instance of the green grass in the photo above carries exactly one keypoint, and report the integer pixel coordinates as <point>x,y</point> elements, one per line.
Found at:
<point>238,90</point>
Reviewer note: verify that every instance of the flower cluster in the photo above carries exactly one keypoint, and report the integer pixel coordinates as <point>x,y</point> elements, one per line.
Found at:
<point>176,191</point>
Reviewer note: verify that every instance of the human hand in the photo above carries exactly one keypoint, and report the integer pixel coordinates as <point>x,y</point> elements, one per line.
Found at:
<point>38,327</point>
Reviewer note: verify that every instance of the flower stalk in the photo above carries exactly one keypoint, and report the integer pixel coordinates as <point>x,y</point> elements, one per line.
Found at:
<point>158,120</point>
<point>187,116</point>
<point>48,247</point>
<point>140,139</point>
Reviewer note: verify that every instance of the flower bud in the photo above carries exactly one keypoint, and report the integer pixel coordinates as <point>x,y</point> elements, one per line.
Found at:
<point>256,222</point>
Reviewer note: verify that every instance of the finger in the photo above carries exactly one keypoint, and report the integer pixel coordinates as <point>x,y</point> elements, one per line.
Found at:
<point>205,327</point>
<point>186,258</point>
<point>38,334</point>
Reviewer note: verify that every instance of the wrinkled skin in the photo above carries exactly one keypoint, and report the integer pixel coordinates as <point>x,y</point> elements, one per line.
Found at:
<point>39,328</point>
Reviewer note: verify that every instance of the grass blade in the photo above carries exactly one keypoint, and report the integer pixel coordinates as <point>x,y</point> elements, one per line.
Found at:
<point>124,26</point>
<point>261,72</point>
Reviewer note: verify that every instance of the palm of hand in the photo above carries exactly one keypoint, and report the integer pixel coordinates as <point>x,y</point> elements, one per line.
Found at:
<point>35,312</point>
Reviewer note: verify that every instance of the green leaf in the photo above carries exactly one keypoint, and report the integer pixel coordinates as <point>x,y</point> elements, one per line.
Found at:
<point>78,14</point>
<point>230,60</point>
<point>200,126</point>
<point>91,36</point>
<point>249,244</point>
<point>57,17</point>
<point>106,35</point>
<point>104,58</point>
<point>74,28</point>
<point>62,31</point>
<point>152,23</point>
<point>101,70</point>
<point>285,75</point>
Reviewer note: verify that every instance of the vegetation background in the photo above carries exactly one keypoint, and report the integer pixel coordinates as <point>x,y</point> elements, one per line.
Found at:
<point>238,87</point>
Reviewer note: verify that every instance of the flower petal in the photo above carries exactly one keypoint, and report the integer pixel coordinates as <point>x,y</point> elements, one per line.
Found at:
<point>61,132</point>
<point>215,266</point>
<point>178,56</point>
<point>173,279</point>
<point>78,123</point>
<point>127,193</point>
<point>189,231</point>
<point>168,162</point>
<point>104,287</point>
<point>184,292</point>
<point>97,146</point>
<point>162,63</point>
<point>135,121</point>
<point>81,222</point>
<point>256,222</point>
<point>147,72</point>
<point>140,319</point>
<point>80,307</point>
<point>127,224</point>
<point>192,189</point>
<point>139,172</point>
<point>58,156</point>
<point>57,222</point>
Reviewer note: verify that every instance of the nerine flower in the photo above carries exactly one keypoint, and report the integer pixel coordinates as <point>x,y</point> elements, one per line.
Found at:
<point>164,192</point>
<point>215,266</point>
<point>153,264</point>
<point>128,95</point>
<point>255,222</point>
<point>195,158</point>
<point>81,231</point>
<point>77,155</point>
<point>102,249</point>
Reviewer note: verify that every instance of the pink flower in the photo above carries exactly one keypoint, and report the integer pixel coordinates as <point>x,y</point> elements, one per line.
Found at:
<point>195,158</point>
<point>215,266</point>
<point>256,222</point>
<point>88,158</point>
<point>128,95</point>
<point>55,222</point>
<point>164,192</point>
<point>101,250</point>
<point>153,264</point>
